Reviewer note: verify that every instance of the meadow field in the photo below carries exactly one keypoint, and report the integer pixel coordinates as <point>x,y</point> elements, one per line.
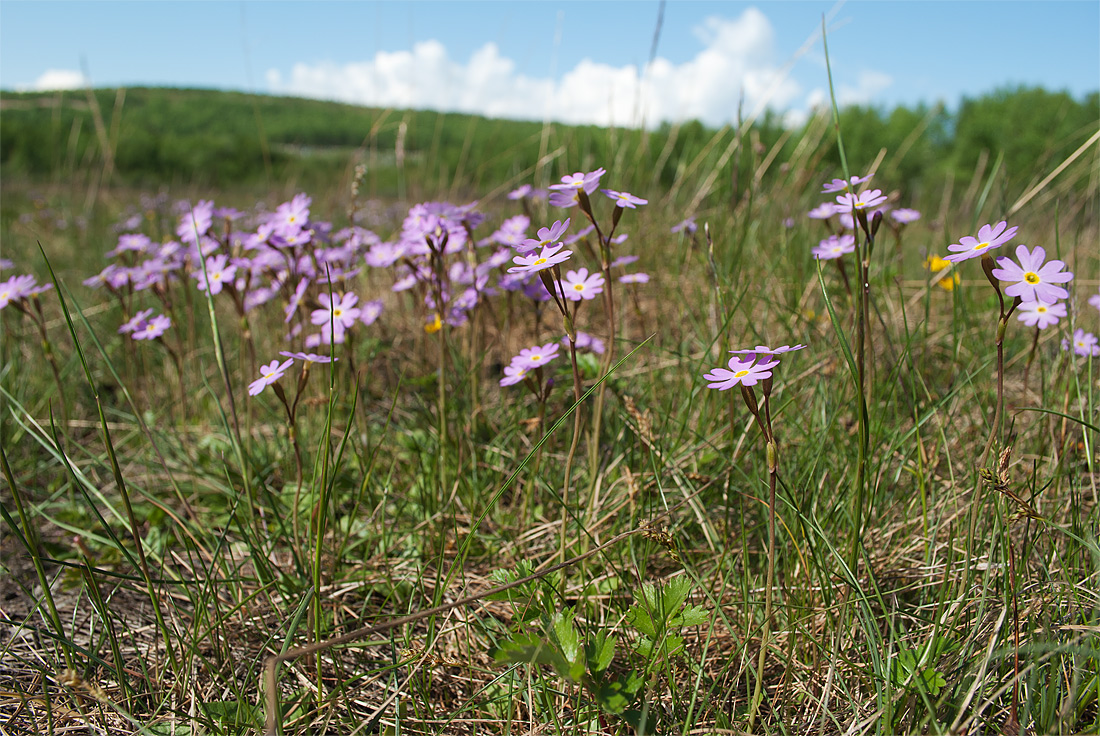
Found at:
<point>455,426</point>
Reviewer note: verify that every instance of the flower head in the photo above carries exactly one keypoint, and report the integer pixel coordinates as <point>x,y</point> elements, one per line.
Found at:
<point>269,374</point>
<point>1083,343</point>
<point>624,199</point>
<point>1040,314</point>
<point>579,285</point>
<point>308,357</point>
<point>989,237</point>
<point>763,352</point>
<point>904,216</point>
<point>152,329</point>
<point>1094,300</point>
<point>218,273</point>
<point>535,356</point>
<point>840,185</point>
<point>513,374</point>
<point>549,256</point>
<point>1032,280</point>
<point>688,226</point>
<point>864,201</point>
<point>823,211</point>
<point>744,372</point>
<point>834,246</point>
<point>547,236</point>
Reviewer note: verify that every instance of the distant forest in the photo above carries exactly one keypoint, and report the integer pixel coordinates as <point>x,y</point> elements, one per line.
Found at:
<point>151,137</point>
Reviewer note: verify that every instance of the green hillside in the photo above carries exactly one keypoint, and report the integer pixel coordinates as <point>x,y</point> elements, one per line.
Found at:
<point>158,136</point>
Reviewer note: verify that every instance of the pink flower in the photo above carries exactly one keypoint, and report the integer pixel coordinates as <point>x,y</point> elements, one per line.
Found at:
<point>746,372</point>
<point>624,199</point>
<point>1040,314</point>
<point>834,246</point>
<point>989,237</point>
<point>546,236</point>
<point>1033,280</point>
<point>152,329</point>
<point>863,201</point>
<point>534,357</point>
<point>269,374</point>
<point>217,274</point>
<point>839,185</point>
<point>579,285</point>
<point>823,211</point>
<point>549,256</point>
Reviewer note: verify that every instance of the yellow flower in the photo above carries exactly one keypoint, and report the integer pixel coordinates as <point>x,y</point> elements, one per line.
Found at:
<point>935,264</point>
<point>435,325</point>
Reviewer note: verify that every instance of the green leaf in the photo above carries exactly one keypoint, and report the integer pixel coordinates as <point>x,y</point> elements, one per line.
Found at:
<point>599,651</point>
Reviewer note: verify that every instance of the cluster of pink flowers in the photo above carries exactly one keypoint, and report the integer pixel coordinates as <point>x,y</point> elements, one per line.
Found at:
<point>850,203</point>
<point>528,360</point>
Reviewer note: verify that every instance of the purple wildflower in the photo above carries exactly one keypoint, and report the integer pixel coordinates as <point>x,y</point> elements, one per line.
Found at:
<point>863,201</point>
<point>578,285</point>
<point>839,185</point>
<point>763,352</point>
<point>152,328</point>
<point>639,277</point>
<point>520,193</point>
<point>586,342</point>
<point>624,199</point>
<point>513,374</point>
<point>1094,300</point>
<point>746,372</point>
<point>308,357</point>
<point>546,236</point>
<point>217,274</point>
<point>834,246</point>
<point>1040,314</point>
<point>536,356</point>
<point>688,226</point>
<point>1032,280</point>
<point>269,374</point>
<point>989,236</point>
<point>549,256</point>
<point>823,211</point>
<point>1084,343</point>
<point>136,322</point>
<point>623,261</point>
<point>904,216</point>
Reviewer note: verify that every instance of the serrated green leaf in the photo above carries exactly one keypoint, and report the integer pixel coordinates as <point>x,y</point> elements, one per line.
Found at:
<point>694,616</point>
<point>566,635</point>
<point>600,650</point>
<point>530,649</point>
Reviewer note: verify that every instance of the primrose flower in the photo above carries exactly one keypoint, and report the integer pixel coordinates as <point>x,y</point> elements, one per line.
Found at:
<point>339,308</point>
<point>579,285</point>
<point>834,246</point>
<point>549,256</point>
<point>1083,343</point>
<point>688,226</point>
<point>1040,314</point>
<point>218,273</point>
<point>904,216</point>
<point>840,185</point>
<point>520,193</point>
<point>763,352</point>
<point>136,322</point>
<point>864,201</point>
<point>152,329</point>
<point>1033,280</point>
<point>935,264</point>
<point>624,199</point>
<point>546,236</point>
<point>308,357</point>
<point>567,194</point>
<point>744,372</point>
<point>989,237</point>
<point>534,357</point>
<point>639,277</point>
<point>18,288</point>
<point>513,374</point>
<point>823,211</point>
<point>269,374</point>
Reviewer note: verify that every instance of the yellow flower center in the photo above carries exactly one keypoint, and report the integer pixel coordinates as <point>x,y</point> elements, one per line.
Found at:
<point>1031,277</point>
<point>1040,308</point>
<point>979,246</point>
<point>536,357</point>
<point>578,287</point>
<point>540,261</point>
<point>740,374</point>
<point>337,312</point>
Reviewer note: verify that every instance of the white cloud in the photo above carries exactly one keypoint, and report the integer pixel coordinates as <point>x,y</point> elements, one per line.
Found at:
<point>737,60</point>
<point>53,79</point>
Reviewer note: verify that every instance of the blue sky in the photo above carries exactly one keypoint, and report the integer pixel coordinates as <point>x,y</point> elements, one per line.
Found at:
<point>572,61</point>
